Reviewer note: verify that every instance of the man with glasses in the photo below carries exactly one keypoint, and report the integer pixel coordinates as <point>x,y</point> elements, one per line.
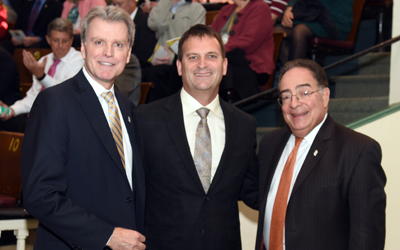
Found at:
<point>321,184</point>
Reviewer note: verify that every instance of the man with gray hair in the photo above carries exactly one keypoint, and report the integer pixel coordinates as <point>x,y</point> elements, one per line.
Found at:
<point>81,171</point>
<point>63,63</point>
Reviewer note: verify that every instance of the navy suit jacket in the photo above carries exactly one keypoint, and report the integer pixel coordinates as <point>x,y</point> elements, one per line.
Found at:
<point>338,200</point>
<point>179,214</point>
<point>73,179</point>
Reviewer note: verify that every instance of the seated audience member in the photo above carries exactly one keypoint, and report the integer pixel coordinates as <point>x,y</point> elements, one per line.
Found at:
<point>75,11</point>
<point>129,81</point>
<point>33,18</point>
<point>169,19</point>
<point>277,7</point>
<point>146,6</point>
<point>3,20</point>
<point>9,84</point>
<point>304,19</point>
<point>247,31</point>
<point>63,63</point>
<point>145,38</point>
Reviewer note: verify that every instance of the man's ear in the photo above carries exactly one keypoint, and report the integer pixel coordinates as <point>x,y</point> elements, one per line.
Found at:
<point>325,95</point>
<point>179,67</point>
<point>48,39</point>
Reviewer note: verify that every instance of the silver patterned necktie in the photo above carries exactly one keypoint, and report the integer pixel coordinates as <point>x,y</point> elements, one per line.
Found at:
<point>202,151</point>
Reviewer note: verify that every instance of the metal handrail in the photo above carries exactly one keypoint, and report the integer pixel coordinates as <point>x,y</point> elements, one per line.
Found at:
<point>361,53</point>
<point>260,95</point>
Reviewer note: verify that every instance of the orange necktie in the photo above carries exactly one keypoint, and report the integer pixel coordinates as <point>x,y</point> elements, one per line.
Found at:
<point>280,205</point>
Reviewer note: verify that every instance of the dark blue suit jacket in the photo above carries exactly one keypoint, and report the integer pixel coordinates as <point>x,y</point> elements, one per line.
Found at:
<point>73,179</point>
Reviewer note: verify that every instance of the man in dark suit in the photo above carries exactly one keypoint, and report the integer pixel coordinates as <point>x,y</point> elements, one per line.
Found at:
<point>321,184</point>
<point>81,169</point>
<point>192,192</point>
<point>34,27</point>
<point>145,38</point>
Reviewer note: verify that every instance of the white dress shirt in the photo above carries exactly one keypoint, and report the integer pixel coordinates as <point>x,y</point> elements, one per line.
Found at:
<point>69,66</point>
<point>99,89</point>
<point>301,156</point>
<point>216,125</point>
<point>133,14</point>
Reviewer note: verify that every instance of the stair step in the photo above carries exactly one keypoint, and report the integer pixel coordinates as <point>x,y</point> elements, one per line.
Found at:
<point>361,85</point>
<point>374,63</point>
<point>347,110</point>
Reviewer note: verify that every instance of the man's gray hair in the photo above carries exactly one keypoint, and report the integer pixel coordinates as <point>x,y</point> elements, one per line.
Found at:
<point>61,25</point>
<point>110,14</point>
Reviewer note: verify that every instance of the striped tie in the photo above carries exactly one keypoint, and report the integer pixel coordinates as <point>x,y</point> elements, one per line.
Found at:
<point>115,124</point>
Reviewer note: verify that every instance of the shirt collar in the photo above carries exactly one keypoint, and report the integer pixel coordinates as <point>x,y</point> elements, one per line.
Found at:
<point>190,105</point>
<point>133,14</point>
<point>97,87</point>
<point>176,6</point>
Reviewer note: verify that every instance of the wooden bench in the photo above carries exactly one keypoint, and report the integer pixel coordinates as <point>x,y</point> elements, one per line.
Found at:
<point>278,37</point>
<point>13,218</point>
<point>144,90</point>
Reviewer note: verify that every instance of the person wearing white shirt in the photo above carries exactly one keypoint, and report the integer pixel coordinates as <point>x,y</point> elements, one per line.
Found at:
<point>60,39</point>
<point>321,184</point>
<point>195,178</point>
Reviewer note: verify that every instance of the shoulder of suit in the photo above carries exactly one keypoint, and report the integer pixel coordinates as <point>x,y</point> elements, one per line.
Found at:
<point>154,107</point>
<point>351,135</point>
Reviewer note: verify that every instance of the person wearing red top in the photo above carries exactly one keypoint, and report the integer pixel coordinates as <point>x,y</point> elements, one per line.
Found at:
<point>3,20</point>
<point>247,26</point>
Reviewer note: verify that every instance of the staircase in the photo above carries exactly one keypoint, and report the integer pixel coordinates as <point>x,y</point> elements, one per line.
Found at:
<point>360,95</point>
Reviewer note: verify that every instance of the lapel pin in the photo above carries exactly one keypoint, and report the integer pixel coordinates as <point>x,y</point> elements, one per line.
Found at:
<point>129,119</point>
<point>315,152</point>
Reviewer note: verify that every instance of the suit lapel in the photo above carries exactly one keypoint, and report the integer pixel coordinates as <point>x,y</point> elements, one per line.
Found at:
<point>316,151</point>
<point>126,114</point>
<point>173,119</point>
<point>230,136</point>
<point>92,108</point>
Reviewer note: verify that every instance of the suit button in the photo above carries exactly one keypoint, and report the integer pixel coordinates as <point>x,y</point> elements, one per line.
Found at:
<point>206,198</point>
<point>202,230</point>
<point>129,199</point>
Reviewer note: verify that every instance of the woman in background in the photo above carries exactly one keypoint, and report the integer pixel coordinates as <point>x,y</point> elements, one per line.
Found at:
<point>304,19</point>
<point>3,20</point>
<point>246,28</point>
<point>75,11</point>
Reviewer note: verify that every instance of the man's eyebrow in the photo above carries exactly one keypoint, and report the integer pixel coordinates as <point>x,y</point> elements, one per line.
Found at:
<point>303,85</point>
<point>297,87</point>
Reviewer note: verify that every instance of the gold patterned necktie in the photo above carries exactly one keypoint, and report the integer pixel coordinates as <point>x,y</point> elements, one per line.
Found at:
<point>202,151</point>
<point>115,124</point>
<point>280,205</point>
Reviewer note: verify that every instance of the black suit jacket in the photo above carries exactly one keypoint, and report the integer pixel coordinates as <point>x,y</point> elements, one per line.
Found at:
<point>179,214</point>
<point>72,175</point>
<point>145,39</point>
<point>50,10</point>
<point>338,200</point>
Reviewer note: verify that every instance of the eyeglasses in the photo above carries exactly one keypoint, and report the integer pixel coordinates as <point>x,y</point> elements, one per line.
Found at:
<point>286,98</point>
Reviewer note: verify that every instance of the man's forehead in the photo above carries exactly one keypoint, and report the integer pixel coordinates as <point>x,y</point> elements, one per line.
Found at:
<point>201,45</point>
